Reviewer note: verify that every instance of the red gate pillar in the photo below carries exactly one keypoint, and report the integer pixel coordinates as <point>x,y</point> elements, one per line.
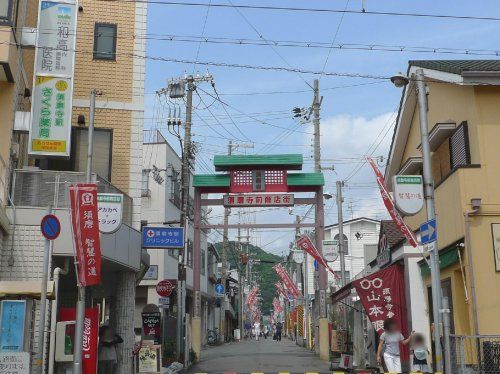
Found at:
<point>196,320</point>
<point>324,344</point>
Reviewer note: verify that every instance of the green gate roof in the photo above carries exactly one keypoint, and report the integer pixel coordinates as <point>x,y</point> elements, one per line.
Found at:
<point>293,179</point>
<point>287,161</point>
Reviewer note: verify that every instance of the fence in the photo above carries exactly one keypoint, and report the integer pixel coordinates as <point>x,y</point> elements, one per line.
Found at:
<point>475,354</point>
<point>41,188</point>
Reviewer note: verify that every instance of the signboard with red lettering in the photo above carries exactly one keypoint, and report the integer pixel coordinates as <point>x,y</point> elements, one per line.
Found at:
<point>277,306</point>
<point>249,200</point>
<point>382,295</point>
<point>90,335</point>
<point>85,222</point>
<point>287,281</point>
<point>396,217</point>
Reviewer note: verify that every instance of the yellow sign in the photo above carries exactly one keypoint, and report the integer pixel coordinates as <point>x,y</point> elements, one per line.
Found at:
<point>41,145</point>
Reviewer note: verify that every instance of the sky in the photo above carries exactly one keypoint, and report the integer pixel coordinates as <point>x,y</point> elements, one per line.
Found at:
<point>255,105</point>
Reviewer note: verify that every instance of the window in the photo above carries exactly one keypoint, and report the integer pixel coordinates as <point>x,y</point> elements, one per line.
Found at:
<point>203,261</point>
<point>175,189</point>
<point>459,146</point>
<point>105,41</point>
<point>145,183</point>
<point>7,11</point>
<point>259,180</point>
<point>345,243</point>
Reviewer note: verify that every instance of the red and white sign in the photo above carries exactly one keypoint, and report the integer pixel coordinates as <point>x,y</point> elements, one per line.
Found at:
<point>305,244</point>
<point>283,199</point>
<point>85,222</point>
<point>277,306</point>
<point>281,290</point>
<point>382,295</point>
<point>287,281</point>
<point>90,335</point>
<point>165,288</point>
<point>252,296</point>
<point>389,204</point>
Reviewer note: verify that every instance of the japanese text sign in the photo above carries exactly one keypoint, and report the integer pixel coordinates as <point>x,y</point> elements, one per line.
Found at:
<point>84,219</point>
<point>14,363</point>
<point>12,323</point>
<point>396,217</point>
<point>277,306</point>
<point>408,193</point>
<point>110,206</point>
<point>249,200</point>
<point>382,295</point>
<point>287,281</point>
<point>163,237</point>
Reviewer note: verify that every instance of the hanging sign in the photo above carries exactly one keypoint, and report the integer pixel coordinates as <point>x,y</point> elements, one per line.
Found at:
<point>165,287</point>
<point>50,130</point>
<point>408,193</point>
<point>330,250</point>
<point>396,217</point>
<point>86,232</point>
<point>249,200</point>
<point>110,206</point>
<point>298,256</point>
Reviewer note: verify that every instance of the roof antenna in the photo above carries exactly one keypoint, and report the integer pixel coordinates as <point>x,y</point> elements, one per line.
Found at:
<point>363,6</point>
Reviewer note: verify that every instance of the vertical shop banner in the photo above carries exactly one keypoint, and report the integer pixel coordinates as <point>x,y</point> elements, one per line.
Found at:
<point>151,326</point>
<point>277,306</point>
<point>50,130</point>
<point>85,222</point>
<point>287,281</point>
<point>90,335</point>
<point>281,290</point>
<point>382,295</point>
<point>389,204</point>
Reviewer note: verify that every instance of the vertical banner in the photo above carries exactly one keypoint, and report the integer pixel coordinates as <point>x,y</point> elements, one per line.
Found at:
<point>287,281</point>
<point>12,322</point>
<point>305,244</point>
<point>50,130</point>
<point>382,295</point>
<point>396,217</point>
<point>90,335</point>
<point>85,222</point>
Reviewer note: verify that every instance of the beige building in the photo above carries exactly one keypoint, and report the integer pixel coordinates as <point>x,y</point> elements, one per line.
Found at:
<point>108,59</point>
<point>464,134</point>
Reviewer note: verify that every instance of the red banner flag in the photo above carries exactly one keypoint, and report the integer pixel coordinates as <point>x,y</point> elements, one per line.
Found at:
<point>305,244</point>
<point>277,306</point>
<point>382,295</point>
<point>85,224</point>
<point>287,281</point>
<point>389,204</point>
<point>281,290</point>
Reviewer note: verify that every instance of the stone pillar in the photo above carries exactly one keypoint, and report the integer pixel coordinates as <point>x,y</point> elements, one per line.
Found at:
<point>122,319</point>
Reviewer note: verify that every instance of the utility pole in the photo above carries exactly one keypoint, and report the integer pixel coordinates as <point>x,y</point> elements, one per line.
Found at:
<point>240,282</point>
<point>316,121</point>
<point>80,305</point>
<point>429,202</point>
<point>340,200</point>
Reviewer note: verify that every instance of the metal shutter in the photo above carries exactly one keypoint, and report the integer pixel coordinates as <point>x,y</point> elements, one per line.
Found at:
<point>459,147</point>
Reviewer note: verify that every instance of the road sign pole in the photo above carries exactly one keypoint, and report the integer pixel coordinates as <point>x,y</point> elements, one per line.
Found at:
<point>43,297</point>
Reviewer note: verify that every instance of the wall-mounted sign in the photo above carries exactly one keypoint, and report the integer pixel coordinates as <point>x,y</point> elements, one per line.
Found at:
<point>163,237</point>
<point>110,206</point>
<point>330,250</point>
<point>12,322</point>
<point>495,229</point>
<point>409,193</point>
<point>50,131</point>
<point>249,200</point>
<point>384,253</point>
<point>152,273</point>
<point>14,363</point>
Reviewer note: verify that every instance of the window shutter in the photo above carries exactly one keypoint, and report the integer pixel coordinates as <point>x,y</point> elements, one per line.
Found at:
<point>459,146</point>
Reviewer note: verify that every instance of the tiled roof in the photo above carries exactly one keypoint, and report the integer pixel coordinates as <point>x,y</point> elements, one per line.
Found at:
<point>392,232</point>
<point>457,66</point>
<point>288,161</point>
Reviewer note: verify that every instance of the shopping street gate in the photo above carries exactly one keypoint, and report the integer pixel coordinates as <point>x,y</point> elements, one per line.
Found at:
<point>254,181</point>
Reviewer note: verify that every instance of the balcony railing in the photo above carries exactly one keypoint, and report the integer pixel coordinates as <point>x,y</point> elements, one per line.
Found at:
<point>41,188</point>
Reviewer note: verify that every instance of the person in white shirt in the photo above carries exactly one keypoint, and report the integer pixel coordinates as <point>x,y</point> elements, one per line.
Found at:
<point>389,342</point>
<point>257,330</point>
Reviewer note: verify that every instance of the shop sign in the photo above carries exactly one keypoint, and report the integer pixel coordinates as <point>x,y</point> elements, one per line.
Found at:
<point>495,228</point>
<point>298,256</point>
<point>384,254</point>
<point>148,359</point>
<point>251,200</point>
<point>151,326</point>
<point>408,193</point>
<point>110,207</point>
<point>330,250</point>
<point>14,363</point>
<point>84,219</point>
<point>287,280</point>
<point>50,132</point>
<point>12,322</point>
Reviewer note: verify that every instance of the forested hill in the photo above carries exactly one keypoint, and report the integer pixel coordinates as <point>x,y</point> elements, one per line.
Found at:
<point>263,272</point>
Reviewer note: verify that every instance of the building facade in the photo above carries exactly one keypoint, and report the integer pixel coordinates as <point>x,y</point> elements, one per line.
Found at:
<point>108,60</point>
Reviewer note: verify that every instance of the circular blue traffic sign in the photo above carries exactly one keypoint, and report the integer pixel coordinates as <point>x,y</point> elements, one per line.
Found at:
<point>50,227</point>
<point>219,289</point>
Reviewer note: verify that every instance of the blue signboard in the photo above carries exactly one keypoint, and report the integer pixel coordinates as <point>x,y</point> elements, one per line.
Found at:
<point>163,237</point>
<point>428,232</point>
<point>219,289</point>
<point>12,321</point>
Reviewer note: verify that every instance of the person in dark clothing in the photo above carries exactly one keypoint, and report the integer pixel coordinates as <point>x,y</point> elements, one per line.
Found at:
<point>279,327</point>
<point>108,356</point>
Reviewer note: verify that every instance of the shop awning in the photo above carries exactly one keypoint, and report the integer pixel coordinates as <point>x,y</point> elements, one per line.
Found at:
<point>342,293</point>
<point>447,257</point>
<point>25,288</point>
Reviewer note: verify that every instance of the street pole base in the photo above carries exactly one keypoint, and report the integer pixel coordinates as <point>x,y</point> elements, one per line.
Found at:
<point>324,344</point>
<point>196,338</point>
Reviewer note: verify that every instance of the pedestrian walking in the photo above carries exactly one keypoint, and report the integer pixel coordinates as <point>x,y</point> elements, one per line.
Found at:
<point>279,327</point>
<point>420,354</point>
<point>389,344</point>
<point>266,331</point>
<point>108,355</point>
<point>257,330</point>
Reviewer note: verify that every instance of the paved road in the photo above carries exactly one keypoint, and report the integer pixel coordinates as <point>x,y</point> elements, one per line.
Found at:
<point>264,356</point>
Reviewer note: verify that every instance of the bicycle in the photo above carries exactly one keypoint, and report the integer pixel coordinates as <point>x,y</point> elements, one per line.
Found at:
<point>213,336</point>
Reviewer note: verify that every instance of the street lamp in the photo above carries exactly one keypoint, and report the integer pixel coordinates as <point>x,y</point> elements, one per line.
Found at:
<point>399,81</point>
